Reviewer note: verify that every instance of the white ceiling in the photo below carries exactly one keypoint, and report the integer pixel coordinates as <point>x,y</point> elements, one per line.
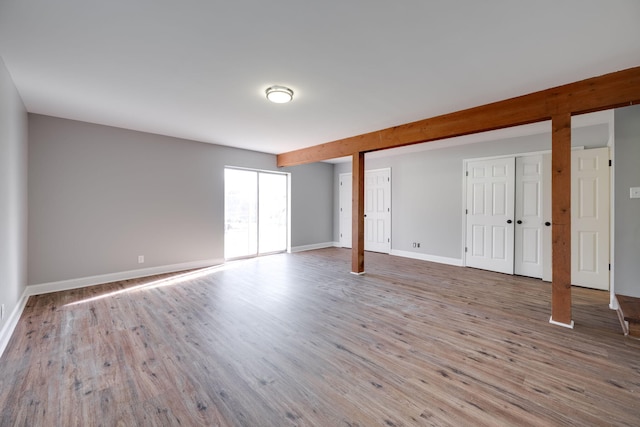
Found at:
<point>197,69</point>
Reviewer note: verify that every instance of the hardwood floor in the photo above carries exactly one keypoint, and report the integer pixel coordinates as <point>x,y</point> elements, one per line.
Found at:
<point>296,340</point>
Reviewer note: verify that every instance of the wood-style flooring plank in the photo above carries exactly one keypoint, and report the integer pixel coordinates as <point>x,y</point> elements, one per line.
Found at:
<point>296,340</point>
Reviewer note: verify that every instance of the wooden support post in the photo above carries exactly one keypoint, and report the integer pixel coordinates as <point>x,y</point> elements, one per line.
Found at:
<point>561,218</point>
<point>357,213</point>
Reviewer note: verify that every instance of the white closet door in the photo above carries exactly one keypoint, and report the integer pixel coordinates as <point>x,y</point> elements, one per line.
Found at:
<point>345,192</point>
<point>529,216</point>
<point>490,212</point>
<point>546,207</point>
<point>377,211</point>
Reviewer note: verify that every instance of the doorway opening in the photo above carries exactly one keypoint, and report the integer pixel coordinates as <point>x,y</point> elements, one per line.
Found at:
<point>256,213</point>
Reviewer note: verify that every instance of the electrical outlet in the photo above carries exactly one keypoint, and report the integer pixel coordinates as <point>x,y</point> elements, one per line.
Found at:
<point>140,259</point>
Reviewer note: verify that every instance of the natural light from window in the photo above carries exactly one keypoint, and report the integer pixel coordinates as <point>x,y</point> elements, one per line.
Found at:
<point>256,217</point>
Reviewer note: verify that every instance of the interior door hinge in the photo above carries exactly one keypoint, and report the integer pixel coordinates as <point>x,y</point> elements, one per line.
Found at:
<point>610,163</point>
<point>467,173</point>
<point>466,211</point>
<point>465,249</point>
<point>609,267</point>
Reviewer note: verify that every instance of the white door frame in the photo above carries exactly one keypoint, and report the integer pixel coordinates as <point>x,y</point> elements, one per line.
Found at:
<point>384,247</point>
<point>345,185</point>
<point>287,203</point>
<point>613,302</point>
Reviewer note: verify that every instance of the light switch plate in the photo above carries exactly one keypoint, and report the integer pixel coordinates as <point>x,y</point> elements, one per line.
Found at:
<point>634,192</point>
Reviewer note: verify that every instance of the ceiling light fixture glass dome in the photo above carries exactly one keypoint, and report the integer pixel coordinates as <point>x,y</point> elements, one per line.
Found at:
<point>279,94</point>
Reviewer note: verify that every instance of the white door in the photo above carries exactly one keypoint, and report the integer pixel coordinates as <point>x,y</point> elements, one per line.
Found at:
<point>529,216</point>
<point>589,234</point>
<point>547,260</point>
<point>345,191</point>
<point>590,218</point>
<point>490,212</point>
<point>377,210</point>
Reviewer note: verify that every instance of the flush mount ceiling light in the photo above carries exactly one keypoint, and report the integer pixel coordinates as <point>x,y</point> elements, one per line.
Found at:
<point>279,94</point>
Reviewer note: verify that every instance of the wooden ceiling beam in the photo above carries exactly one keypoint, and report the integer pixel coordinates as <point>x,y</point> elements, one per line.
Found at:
<point>612,90</point>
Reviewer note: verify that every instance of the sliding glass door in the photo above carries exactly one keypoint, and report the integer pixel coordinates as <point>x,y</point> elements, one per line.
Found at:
<point>256,214</point>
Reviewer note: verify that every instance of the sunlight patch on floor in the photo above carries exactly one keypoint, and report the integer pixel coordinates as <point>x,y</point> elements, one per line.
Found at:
<point>168,281</point>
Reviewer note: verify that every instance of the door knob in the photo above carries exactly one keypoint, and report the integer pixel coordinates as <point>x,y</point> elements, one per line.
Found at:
<point>547,223</point>
<point>519,221</point>
<point>509,221</point>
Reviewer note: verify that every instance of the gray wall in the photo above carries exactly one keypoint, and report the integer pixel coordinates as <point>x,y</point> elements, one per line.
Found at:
<point>627,211</point>
<point>13,194</point>
<point>426,188</point>
<point>100,196</point>
<point>311,204</point>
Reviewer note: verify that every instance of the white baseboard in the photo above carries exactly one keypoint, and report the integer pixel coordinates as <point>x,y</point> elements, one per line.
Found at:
<point>12,322</point>
<point>564,325</point>
<point>313,246</point>
<point>63,285</point>
<point>425,257</point>
<point>613,302</point>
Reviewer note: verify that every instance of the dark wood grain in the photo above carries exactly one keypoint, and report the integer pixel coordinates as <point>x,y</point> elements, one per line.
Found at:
<point>630,312</point>
<point>357,217</point>
<point>296,340</point>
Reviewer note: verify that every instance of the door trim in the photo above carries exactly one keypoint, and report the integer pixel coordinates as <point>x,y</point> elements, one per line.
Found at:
<point>342,179</point>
